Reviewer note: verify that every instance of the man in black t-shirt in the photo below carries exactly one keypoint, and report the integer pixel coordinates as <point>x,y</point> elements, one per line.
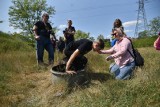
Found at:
<point>69,33</point>
<point>76,50</point>
<point>42,30</point>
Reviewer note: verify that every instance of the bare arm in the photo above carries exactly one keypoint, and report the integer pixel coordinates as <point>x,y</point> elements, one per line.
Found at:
<point>109,51</point>
<point>35,32</point>
<point>71,59</point>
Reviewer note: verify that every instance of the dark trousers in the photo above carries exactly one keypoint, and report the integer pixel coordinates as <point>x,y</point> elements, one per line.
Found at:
<point>44,43</point>
<point>67,42</point>
<point>79,62</point>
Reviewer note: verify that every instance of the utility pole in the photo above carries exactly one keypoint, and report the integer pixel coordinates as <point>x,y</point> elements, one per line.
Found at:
<point>141,24</point>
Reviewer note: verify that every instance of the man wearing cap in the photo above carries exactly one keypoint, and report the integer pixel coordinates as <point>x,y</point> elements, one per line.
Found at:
<point>69,33</point>
<point>42,30</point>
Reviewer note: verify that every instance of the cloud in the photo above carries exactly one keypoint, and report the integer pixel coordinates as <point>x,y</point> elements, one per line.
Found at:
<point>60,30</point>
<point>131,23</point>
<point>13,30</point>
<point>62,27</point>
<point>126,31</point>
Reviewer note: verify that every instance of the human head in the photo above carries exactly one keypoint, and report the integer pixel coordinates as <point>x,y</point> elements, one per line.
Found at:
<point>45,17</point>
<point>98,45</point>
<point>118,33</point>
<point>117,23</point>
<point>61,38</point>
<point>159,33</point>
<point>69,22</point>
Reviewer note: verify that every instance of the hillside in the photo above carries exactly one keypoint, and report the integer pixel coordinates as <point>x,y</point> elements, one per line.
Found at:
<point>23,84</point>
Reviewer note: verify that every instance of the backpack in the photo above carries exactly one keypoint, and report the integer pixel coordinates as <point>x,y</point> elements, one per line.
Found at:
<point>139,60</point>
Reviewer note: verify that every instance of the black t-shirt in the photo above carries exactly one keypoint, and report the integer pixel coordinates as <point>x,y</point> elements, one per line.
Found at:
<point>83,45</point>
<point>43,29</point>
<point>70,37</point>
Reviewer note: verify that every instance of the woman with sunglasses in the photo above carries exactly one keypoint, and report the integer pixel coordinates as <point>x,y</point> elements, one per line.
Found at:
<point>124,62</point>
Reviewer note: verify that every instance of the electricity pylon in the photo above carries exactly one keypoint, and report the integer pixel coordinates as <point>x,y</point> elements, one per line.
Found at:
<point>141,24</point>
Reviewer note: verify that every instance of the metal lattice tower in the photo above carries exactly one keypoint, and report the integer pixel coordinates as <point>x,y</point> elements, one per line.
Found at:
<point>141,24</point>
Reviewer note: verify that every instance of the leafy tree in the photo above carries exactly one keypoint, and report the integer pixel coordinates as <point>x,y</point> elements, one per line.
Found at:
<point>143,34</point>
<point>100,37</point>
<point>154,25</point>
<point>24,13</point>
<point>80,34</point>
<point>92,38</point>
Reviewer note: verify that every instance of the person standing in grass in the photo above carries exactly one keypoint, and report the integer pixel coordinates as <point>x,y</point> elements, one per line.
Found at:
<point>124,62</point>
<point>69,33</point>
<point>60,45</point>
<point>117,24</point>
<point>42,30</point>
<point>157,42</point>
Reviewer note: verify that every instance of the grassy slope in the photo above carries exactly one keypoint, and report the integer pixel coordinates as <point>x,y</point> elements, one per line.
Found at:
<point>22,83</point>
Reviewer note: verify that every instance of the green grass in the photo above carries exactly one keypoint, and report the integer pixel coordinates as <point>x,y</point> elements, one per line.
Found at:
<point>23,84</point>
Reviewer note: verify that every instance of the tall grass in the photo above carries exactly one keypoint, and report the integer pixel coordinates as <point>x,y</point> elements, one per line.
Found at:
<point>23,84</point>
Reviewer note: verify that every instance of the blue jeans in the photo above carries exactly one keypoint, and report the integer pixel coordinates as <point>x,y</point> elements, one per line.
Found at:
<point>44,43</point>
<point>124,72</point>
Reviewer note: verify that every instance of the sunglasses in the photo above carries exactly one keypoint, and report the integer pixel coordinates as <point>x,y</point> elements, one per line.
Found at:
<point>113,34</point>
<point>47,17</point>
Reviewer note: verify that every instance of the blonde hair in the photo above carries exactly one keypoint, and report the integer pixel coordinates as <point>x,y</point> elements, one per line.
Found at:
<point>120,31</point>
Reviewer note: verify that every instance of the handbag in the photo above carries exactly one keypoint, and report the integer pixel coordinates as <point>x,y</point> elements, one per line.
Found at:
<point>139,60</point>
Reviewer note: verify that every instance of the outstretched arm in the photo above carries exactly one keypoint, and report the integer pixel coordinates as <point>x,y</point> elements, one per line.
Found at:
<point>109,51</point>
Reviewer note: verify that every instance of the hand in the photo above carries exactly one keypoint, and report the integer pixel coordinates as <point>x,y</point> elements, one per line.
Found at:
<point>70,72</point>
<point>99,51</point>
<point>37,37</point>
<point>109,58</point>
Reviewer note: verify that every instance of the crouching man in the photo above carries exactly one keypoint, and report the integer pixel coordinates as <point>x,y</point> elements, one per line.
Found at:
<point>76,50</point>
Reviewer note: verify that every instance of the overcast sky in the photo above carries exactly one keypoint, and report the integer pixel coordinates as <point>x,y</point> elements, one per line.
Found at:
<point>93,16</point>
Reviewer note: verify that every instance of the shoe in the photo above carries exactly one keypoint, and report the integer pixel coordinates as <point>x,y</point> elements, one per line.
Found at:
<point>51,62</point>
<point>41,63</point>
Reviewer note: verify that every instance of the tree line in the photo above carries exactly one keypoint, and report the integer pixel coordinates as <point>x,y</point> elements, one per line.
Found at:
<point>24,13</point>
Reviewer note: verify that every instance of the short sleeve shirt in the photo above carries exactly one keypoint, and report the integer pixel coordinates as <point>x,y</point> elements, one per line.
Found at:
<point>69,36</point>
<point>83,45</point>
<point>43,29</point>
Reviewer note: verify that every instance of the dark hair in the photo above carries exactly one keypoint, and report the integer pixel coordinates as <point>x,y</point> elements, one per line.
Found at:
<point>70,21</point>
<point>101,44</point>
<point>119,23</point>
